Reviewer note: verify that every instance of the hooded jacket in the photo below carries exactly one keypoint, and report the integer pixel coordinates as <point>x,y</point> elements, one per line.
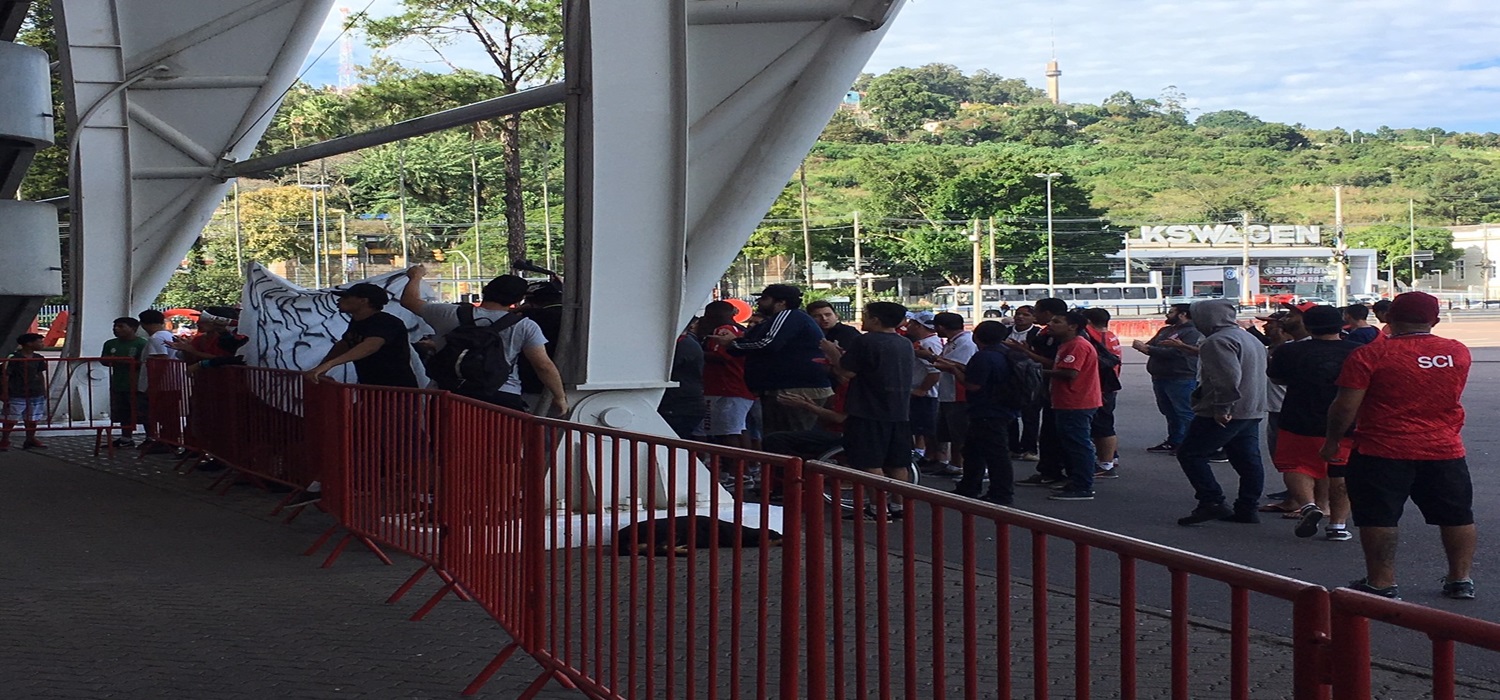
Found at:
<point>1231,364</point>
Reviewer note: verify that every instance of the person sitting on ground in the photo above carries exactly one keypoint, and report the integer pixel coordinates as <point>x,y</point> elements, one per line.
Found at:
<point>25,391</point>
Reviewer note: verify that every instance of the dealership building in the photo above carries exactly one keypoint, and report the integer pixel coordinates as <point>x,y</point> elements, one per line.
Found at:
<point>1196,259</point>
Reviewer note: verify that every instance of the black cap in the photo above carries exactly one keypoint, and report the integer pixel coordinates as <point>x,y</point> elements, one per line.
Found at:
<point>781,291</point>
<point>1322,319</point>
<point>546,289</point>
<point>372,293</point>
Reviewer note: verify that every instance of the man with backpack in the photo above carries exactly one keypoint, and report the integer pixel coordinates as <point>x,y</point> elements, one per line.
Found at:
<point>477,347</point>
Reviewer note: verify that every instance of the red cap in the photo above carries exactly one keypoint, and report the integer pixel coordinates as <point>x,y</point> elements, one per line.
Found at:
<point>1414,307</point>
<point>1300,308</point>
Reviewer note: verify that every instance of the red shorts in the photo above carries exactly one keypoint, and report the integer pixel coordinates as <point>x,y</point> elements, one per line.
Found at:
<point>1299,453</point>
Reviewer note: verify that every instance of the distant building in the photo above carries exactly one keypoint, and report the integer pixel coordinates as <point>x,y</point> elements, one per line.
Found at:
<point>1474,273</point>
<point>1054,92</point>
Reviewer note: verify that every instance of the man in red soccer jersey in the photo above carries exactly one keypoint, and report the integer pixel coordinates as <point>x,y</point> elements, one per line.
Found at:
<point>1075,399</point>
<point>1401,394</point>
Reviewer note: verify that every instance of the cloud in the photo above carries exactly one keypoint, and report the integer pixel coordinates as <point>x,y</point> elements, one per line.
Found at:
<point>1360,65</point>
<point>1356,65</point>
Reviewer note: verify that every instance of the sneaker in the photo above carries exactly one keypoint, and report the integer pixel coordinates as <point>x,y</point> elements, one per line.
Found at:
<point>1164,448</point>
<point>33,444</point>
<point>1029,457</point>
<point>1308,525</point>
<point>1016,456</point>
<point>1461,589</point>
<point>1219,457</point>
<point>966,492</point>
<point>1072,495</point>
<point>1338,534</point>
<point>1242,516</point>
<point>1363,586</point>
<point>1038,480</point>
<point>950,471</point>
<point>123,442</point>
<point>927,467</point>
<point>1205,513</point>
<point>304,498</point>
<point>1107,473</point>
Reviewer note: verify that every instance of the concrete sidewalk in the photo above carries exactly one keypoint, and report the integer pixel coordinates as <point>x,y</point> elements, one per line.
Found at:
<point>149,586</point>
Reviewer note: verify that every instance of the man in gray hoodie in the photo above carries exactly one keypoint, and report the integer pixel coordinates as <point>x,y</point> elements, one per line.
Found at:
<point>1228,407</point>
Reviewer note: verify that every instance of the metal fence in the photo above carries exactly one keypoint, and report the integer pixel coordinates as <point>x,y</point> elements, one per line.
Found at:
<point>636,566</point>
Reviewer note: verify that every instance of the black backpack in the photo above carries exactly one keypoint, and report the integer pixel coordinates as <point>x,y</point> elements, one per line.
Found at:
<point>473,359</point>
<point>1026,385</point>
<point>1108,361</point>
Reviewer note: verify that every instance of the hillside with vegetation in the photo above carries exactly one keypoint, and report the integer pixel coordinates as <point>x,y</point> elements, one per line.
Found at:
<point>924,157</point>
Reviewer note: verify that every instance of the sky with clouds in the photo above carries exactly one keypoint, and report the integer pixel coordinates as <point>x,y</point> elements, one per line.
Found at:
<point>1321,63</point>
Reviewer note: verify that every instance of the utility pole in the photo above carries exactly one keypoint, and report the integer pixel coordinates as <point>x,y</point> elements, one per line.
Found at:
<point>547,203</point>
<point>806,232</point>
<point>994,279</point>
<point>1126,238</point>
<point>978,314</point>
<point>859,274</point>
<point>239,256</point>
<point>474,185</point>
<point>344,245</point>
<point>1341,295</point>
<point>1245,298</point>
<point>1051,260</point>
<point>401,203</point>
<point>1411,209</point>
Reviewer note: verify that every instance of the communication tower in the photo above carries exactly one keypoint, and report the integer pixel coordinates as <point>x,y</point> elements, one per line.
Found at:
<point>346,53</point>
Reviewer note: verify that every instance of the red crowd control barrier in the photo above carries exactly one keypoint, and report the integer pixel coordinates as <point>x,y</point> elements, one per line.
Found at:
<point>1351,616</point>
<point>637,566</point>
<point>896,606</point>
<point>70,394</point>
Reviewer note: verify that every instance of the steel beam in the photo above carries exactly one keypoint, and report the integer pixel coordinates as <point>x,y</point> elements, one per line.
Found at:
<point>515,103</point>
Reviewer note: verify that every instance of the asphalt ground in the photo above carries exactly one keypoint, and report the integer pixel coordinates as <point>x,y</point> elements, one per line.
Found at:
<point>1152,493</point>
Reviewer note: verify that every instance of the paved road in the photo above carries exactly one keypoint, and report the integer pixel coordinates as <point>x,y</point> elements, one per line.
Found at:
<point>1152,493</point>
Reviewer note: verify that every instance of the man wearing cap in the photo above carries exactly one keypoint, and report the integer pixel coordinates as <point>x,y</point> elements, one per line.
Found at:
<point>782,356</point>
<point>921,329</point>
<point>1309,371</point>
<point>523,338</point>
<point>376,342</point>
<point>1402,395</point>
<point>215,340</point>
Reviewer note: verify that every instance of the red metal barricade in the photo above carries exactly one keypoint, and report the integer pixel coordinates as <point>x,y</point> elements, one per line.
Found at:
<point>169,395</point>
<point>635,566</point>
<point>950,572</point>
<point>69,394</point>
<point>1351,616</point>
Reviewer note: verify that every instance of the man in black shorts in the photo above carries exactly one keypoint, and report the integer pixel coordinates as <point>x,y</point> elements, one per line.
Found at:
<point>879,364</point>
<point>1401,394</point>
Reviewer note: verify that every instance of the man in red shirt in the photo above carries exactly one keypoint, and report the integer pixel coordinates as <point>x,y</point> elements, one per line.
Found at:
<point>1075,399</point>
<point>729,399</point>
<point>1402,396</point>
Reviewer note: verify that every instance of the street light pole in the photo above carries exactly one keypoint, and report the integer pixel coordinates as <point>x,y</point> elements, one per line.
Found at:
<point>1051,259</point>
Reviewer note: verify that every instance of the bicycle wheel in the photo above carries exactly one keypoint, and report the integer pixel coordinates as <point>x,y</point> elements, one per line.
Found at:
<point>842,492</point>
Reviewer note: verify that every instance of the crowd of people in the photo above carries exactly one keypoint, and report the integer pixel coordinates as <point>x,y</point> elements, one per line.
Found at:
<point>1359,419</point>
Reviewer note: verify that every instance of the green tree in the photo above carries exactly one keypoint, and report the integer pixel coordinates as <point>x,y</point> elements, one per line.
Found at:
<point>990,88</point>
<point>522,39</point>
<point>902,102</point>
<point>1228,120</point>
<point>1394,242</point>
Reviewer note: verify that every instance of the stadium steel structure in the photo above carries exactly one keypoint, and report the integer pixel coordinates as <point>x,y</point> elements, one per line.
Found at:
<point>685,119</point>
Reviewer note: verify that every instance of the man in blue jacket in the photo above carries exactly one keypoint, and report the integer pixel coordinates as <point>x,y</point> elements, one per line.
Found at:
<point>782,357</point>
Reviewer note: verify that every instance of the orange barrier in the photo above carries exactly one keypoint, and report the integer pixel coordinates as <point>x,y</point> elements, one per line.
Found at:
<point>637,566</point>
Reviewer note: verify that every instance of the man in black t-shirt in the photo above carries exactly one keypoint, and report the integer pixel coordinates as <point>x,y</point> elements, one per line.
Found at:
<point>376,342</point>
<point>879,364</point>
<point>1310,371</point>
<point>833,328</point>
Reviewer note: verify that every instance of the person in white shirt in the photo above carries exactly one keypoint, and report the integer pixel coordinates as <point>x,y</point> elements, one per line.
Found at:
<point>947,457</point>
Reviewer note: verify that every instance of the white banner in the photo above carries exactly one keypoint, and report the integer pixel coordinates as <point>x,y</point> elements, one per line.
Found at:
<point>291,327</point>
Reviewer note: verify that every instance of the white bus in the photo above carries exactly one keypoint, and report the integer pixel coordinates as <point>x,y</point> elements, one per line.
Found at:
<point>1142,298</point>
